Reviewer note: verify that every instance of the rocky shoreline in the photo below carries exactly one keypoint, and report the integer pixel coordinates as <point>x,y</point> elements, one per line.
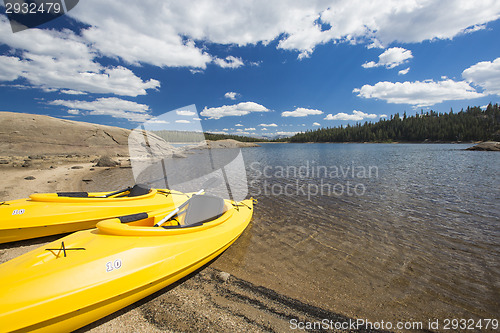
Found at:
<point>486,146</point>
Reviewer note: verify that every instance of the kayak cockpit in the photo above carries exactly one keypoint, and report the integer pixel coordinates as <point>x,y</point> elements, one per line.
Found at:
<point>203,212</point>
<point>138,191</point>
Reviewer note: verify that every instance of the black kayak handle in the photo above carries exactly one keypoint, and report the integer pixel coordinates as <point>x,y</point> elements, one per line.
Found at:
<point>133,217</point>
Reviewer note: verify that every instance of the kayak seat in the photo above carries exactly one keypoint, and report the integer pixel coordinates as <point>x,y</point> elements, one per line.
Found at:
<point>203,208</point>
<point>139,189</point>
<point>73,194</point>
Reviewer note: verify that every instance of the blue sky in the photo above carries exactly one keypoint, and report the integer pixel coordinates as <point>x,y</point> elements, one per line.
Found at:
<point>253,67</point>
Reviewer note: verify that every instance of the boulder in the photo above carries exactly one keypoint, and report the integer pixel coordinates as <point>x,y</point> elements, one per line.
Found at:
<point>106,161</point>
<point>486,146</point>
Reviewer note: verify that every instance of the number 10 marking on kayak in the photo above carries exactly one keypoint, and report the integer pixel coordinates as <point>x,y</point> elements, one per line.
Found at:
<point>18,212</point>
<point>112,265</point>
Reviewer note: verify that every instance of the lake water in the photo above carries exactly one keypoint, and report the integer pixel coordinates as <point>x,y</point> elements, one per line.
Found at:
<point>393,232</point>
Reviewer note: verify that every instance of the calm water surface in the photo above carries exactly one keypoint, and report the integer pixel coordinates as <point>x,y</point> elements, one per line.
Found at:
<point>412,234</point>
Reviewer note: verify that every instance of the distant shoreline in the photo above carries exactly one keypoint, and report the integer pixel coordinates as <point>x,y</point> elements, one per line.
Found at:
<point>394,142</point>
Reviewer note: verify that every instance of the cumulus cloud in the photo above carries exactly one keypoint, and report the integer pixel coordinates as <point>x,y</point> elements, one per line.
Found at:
<point>111,106</point>
<point>185,113</point>
<point>72,92</point>
<point>269,125</point>
<point>356,116</point>
<point>231,95</point>
<point>485,74</point>
<point>229,62</point>
<point>164,34</point>
<point>250,129</point>
<point>283,133</point>
<point>316,124</point>
<point>391,58</point>
<point>404,71</point>
<point>238,125</point>
<point>183,121</point>
<point>158,121</point>
<point>240,109</point>
<point>60,60</point>
<point>301,112</point>
<point>418,93</point>
<point>217,132</point>
<point>408,21</point>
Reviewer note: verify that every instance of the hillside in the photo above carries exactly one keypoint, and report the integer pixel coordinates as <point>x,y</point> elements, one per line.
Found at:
<point>24,134</point>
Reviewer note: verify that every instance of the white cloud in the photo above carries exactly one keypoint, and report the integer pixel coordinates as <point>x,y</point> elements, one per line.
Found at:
<point>197,119</point>
<point>61,60</point>
<point>316,124</point>
<point>474,28</point>
<point>137,39</point>
<point>158,121</point>
<point>238,125</point>
<point>408,21</point>
<point>404,71</point>
<point>185,113</point>
<point>183,121</point>
<point>286,133</point>
<point>231,95</point>
<point>163,34</point>
<point>196,71</point>
<point>269,125</point>
<point>217,132</point>
<point>418,93</point>
<point>301,112</point>
<point>391,58</point>
<point>239,109</point>
<point>263,129</point>
<point>383,116</point>
<point>229,62</point>
<point>485,74</point>
<point>356,116</point>
<point>242,133</point>
<point>73,92</point>
<point>111,106</point>
<point>250,129</point>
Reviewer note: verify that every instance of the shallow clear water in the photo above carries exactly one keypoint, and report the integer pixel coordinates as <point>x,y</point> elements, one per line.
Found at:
<point>417,235</point>
<point>412,233</point>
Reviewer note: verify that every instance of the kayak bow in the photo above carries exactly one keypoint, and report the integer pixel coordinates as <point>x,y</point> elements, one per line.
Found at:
<point>87,275</point>
<point>44,214</point>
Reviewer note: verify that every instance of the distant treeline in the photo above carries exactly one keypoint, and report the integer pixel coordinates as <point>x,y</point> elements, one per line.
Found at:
<point>473,124</point>
<point>191,136</point>
<point>215,137</point>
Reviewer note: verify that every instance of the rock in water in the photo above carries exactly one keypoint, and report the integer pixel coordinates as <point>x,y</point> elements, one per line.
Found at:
<point>486,146</point>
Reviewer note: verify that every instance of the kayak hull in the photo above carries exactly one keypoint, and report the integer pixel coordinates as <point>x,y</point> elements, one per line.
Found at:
<point>50,292</point>
<point>48,214</point>
<point>82,317</point>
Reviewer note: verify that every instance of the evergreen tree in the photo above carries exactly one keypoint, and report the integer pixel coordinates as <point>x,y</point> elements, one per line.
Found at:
<point>473,124</point>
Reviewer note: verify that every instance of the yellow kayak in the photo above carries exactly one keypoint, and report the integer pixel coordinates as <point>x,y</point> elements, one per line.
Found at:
<point>55,213</point>
<point>89,274</point>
